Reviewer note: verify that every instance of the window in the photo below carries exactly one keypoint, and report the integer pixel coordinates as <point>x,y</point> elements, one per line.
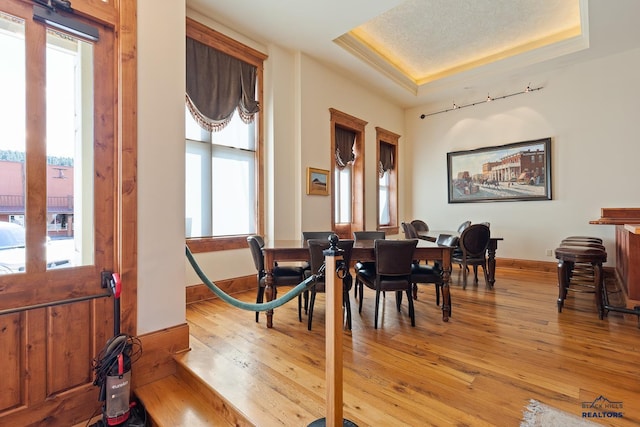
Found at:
<point>342,189</point>
<point>69,146</point>
<point>220,180</point>
<point>387,161</point>
<point>223,202</point>
<point>347,166</point>
<point>56,161</point>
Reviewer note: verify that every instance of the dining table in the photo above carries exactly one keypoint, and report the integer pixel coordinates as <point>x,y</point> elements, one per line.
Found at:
<point>363,250</point>
<point>432,236</point>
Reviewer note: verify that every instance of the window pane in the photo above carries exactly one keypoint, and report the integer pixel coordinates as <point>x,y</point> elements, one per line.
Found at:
<point>12,145</point>
<point>198,189</point>
<point>193,130</point>
<point>69,141</point>
<point>236,134</point>
<point>220,180</point>
<point>233,201</point>
<point>383,196</point>
<point>342,188</point>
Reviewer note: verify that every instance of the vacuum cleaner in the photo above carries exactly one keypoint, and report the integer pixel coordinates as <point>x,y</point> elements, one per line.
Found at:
<point>113,370</point>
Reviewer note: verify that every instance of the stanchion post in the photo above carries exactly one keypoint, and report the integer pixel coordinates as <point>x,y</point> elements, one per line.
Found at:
<point>333,339</point>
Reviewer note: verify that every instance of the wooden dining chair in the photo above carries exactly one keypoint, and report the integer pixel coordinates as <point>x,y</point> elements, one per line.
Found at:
<point>420,225</point>
<point>473,244</point>
<point>394,259</point>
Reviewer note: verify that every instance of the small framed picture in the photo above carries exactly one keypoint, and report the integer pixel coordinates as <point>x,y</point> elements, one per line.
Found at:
<point>318,182</point>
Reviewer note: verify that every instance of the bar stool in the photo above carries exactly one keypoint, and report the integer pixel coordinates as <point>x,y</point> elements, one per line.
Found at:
<point>567,257</point>
<point>582,270</point>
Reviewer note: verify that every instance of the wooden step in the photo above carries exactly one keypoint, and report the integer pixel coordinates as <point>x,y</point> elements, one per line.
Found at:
<point>189,397</point>
<point>172,402</point>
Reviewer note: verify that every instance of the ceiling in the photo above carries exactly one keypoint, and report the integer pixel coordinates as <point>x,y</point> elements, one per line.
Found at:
<point>416,51</point>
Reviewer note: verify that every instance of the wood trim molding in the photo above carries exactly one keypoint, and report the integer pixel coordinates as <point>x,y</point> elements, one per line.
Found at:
<point>158,350</point>
<point>201,292</point>
<point>545,266</point>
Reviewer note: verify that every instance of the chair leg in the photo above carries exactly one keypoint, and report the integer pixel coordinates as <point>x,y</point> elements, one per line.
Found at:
<point>312,301</point>
<point>412,313</point>
<point>259,299</point>
<point>465,269</point>
<point>299,308</point>
<point>475,273</point>
<point>486,276</point>
<point>361,298</point>
<point>437,286</point>
<point>415,290</point>
<point>347,306</point>
<point>375,317</point>
<point>305,294</point>
<point>399,300</point>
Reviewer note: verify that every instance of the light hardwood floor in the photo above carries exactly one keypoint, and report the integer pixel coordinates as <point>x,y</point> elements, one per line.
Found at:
<point>500,348</point>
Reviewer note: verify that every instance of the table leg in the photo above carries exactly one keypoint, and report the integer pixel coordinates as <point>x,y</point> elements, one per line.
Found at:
<point>270,291</point>
<point>491,261</point>
<point>446,295</point>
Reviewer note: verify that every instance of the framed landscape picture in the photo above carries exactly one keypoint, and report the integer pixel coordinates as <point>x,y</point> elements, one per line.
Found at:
<point>513,172</point>
<point>318,181</point>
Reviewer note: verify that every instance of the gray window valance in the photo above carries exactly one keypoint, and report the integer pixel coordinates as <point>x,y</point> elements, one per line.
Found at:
<point>387,152</point>
<point>217,85</point>
<point>345,139</point>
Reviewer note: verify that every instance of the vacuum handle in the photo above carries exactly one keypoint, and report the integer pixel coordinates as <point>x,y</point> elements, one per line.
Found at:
<point>116,288</point>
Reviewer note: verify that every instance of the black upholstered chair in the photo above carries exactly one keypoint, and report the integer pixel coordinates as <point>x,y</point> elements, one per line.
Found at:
<point>394,260</point>
<point>282,276</point>
<point>473,244</point>
<point>316,248</point>
<point>366,235</point>
<point>463,226</point>
<point>409,230</point>
<point>432,274</point>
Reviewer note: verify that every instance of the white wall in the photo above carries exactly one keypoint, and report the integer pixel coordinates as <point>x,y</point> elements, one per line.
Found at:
<point>590,110</point>
<point>322,89</point>
<point>161,88</point>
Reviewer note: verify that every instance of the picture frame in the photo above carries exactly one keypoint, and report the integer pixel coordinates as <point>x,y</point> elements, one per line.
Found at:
<point>318,182</point>
<point>519,171</point>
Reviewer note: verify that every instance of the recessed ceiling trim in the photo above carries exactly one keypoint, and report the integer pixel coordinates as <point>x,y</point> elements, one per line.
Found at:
<point>516,50</point>
<point>365,52</point>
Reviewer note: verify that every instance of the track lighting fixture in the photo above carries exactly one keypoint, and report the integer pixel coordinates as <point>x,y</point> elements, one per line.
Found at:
<point>488,99</point>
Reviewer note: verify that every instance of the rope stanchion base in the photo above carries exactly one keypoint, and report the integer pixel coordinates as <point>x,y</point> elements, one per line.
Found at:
<point>322,422</point>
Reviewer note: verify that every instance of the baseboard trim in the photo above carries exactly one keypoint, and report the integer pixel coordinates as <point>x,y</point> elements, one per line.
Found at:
<point>201,292</point>
<point>158,351</point>
<point>548,266</point>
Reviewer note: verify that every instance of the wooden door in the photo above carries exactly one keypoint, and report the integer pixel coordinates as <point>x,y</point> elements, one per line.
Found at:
<point>55,314</point>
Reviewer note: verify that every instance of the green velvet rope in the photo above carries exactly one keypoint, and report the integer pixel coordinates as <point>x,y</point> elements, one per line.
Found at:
<point>301,287</point>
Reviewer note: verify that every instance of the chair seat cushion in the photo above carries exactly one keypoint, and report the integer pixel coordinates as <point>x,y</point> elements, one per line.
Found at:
<point>369,265</point>
<point>288,271</point>
<point>426,274</point>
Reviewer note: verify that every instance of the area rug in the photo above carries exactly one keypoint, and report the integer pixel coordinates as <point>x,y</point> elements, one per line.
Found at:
<point>538,414</point>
